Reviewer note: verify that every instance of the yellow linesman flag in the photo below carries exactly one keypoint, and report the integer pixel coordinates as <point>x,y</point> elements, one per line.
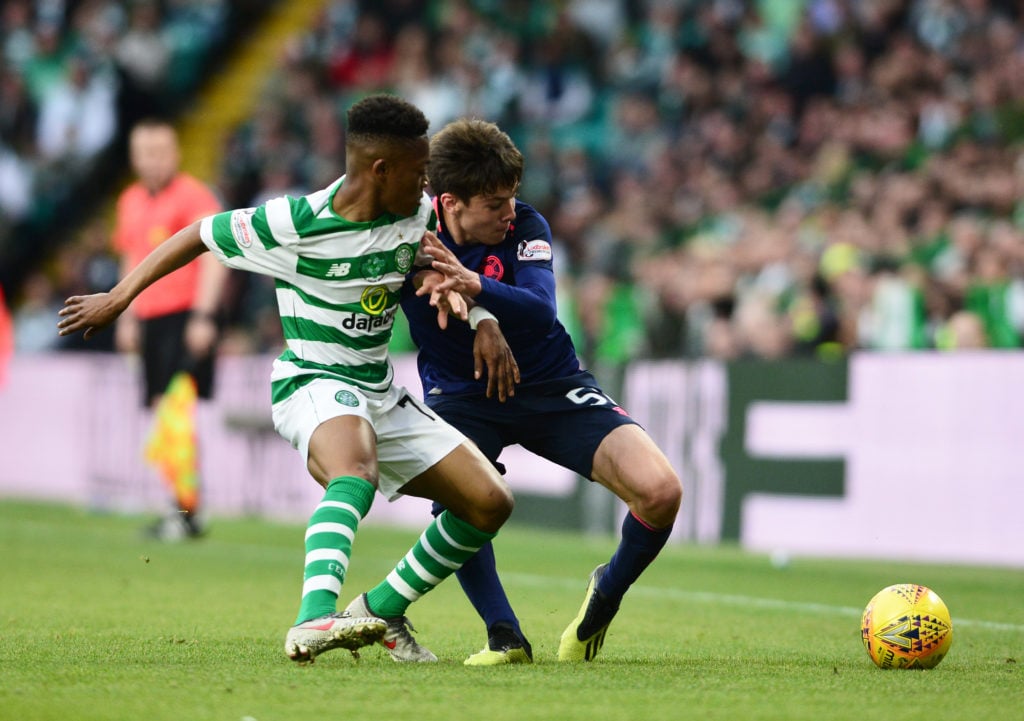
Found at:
<point>171,446</point>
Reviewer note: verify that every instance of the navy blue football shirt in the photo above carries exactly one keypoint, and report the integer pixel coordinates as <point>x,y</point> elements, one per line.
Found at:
<point>518,287</point>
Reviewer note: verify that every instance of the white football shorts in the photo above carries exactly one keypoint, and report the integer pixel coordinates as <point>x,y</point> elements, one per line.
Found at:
<point>410,437</point>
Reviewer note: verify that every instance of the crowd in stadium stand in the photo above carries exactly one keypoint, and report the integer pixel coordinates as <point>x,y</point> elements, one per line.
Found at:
<point>724,179</point>
<point>74,75</point>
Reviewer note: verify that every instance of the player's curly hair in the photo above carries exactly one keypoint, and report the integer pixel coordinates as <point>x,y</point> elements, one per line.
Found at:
<point>473,157</point>
<point>386,116</point>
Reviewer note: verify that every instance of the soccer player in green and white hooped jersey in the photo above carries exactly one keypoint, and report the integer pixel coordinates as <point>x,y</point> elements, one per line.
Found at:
<point>339,257</point>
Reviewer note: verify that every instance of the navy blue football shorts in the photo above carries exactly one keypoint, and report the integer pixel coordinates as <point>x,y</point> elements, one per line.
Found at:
<point>562,420</point>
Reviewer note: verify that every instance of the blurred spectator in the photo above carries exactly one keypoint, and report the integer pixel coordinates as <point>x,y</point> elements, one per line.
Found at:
<point>16,179</point>
<point>34,314</point>
<point>77,115</point>
<point>18,113</point>
<point>18,39</point>
<point>44,66</point>
<point>365,61</point>
<point>143,56</point>
<point>963,331</point>
<point>988,296</point>
<point>89,265</point>
<point>556,90</point>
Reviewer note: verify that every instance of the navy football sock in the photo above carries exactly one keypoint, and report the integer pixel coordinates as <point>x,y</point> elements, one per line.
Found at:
<point>479,580</point>
<point>639,545</point>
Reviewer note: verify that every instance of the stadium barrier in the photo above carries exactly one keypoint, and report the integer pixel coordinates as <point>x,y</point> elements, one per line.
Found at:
<point>908,456</point>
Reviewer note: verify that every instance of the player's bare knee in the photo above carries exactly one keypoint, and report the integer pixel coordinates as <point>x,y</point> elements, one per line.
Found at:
<point>486,504</point>
<point>493,509</point>
<point>324,472</point>
<point>657,504</point>
<point>499,507</point>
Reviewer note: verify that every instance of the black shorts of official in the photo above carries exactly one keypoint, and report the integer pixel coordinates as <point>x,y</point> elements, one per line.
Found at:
<point>563,420</point>
<point>164,354</point>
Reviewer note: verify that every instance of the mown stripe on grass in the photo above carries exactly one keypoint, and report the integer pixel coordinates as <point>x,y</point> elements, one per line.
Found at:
<point>733,599</point>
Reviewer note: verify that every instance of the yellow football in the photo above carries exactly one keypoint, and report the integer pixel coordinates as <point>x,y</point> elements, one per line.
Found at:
<point>906,626</point>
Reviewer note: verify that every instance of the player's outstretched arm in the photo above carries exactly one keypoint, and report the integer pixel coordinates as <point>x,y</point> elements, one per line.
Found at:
<point>90,313</point>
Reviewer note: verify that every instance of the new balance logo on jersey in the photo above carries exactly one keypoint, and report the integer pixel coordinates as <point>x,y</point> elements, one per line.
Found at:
<point>338,270</point>
<point>358,321</point>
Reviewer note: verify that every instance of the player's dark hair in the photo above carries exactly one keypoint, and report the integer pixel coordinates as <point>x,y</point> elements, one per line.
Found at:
<point>385,117</point>
<point>473,157</point>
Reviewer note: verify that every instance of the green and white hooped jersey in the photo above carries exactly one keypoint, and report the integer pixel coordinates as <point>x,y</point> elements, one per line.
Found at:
<point>337,282</point>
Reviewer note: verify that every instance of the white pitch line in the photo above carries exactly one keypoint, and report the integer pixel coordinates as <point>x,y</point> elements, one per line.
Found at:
<point>732,599</point>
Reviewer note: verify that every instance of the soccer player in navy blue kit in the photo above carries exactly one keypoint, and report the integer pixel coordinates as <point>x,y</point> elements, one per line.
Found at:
<point>511,375</point>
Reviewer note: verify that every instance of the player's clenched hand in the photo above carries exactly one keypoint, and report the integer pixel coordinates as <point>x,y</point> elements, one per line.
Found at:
<point>457,277</point>
<point>490,349</point>
<point>447,302</point>
<point>88,313</point>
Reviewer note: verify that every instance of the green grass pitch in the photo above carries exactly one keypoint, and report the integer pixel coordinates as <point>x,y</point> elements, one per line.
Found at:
<point>100,624</point>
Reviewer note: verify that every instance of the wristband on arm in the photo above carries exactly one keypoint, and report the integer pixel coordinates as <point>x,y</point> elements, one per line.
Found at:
<point>478,313</point>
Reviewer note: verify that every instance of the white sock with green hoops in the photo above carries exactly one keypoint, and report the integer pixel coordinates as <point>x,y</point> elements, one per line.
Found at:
<point>444,546</point>
<point>332,527</point>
